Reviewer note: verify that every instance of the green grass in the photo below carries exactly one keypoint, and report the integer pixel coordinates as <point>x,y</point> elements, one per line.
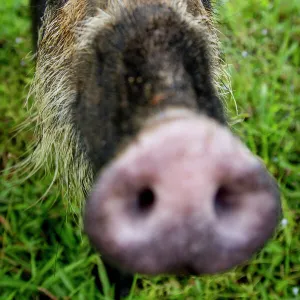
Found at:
<point>43,254</point>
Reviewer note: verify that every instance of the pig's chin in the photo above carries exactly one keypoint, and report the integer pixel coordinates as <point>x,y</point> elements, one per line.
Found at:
<point>186,197</point>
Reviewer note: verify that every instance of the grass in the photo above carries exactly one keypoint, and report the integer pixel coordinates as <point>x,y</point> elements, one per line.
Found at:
<point>43,254</point>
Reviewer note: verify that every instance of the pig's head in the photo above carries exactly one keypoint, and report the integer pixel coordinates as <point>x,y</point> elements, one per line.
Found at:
<point>178,192</point>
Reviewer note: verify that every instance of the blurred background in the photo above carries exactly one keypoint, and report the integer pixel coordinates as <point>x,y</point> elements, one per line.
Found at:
<point>43,254</point>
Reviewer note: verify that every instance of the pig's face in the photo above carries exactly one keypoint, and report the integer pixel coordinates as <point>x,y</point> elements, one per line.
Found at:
<point>178,193</point>
<point>148,60</point>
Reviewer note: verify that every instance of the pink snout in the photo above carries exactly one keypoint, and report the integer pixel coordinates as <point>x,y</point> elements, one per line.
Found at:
<point>185,196</point>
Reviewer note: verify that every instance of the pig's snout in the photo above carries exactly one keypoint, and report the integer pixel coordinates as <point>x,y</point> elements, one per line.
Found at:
<point>185,197</point>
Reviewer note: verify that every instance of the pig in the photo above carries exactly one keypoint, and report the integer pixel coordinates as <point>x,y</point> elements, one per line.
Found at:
<point>130,114</point>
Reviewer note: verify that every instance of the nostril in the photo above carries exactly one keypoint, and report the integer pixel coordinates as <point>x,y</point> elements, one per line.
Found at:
<point>146,199</point>
<point>224,201</point>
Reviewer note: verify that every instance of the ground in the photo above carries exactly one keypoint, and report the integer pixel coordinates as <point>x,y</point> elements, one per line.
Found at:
<point>43,253</point>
